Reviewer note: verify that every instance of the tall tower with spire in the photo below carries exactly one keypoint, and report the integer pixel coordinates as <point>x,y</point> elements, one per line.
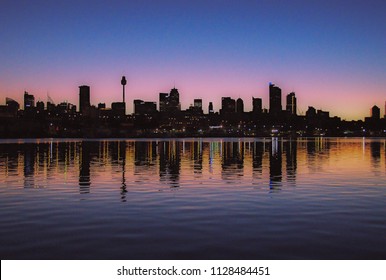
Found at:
<point>123,83</point>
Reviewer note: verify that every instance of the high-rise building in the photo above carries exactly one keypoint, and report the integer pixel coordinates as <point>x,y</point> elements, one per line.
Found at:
<point>40,106</point>
<point>12,106</point>
<point>163,102</point>
<point>228,105</point>
<point>311,112</point>
<point>274,100</point>
<point>118,109</point>
<point>291,104</point>
<point>375,112</point>
<point>198,104</point>
<point>141,107</point>
<point>322,115</point>
<point>197,107</point>
<point>50,106</point>
<point>239,105</point>
<point>170,102</point>
<point>257,105</point>
<point>12,103</point>
<point>174,100</point>
<point>210,108</point>
<point>84,99</point>
<point>29,101</point>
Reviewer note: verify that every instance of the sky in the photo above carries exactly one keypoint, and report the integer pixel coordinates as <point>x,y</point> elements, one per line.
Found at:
<point>332,54</point>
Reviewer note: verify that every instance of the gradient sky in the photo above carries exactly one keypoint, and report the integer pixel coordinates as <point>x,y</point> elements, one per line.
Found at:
<point>331,53</point>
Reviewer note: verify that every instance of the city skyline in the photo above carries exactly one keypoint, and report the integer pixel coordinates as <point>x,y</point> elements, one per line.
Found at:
<point>278,101</point>
<point>330,53</point>
<point>39,119</point>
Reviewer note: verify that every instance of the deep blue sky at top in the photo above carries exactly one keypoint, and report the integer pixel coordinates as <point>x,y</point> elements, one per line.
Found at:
<point>326,51</point>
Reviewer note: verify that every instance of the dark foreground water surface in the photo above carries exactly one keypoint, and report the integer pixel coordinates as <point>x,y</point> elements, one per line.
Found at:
<point>193,199</point>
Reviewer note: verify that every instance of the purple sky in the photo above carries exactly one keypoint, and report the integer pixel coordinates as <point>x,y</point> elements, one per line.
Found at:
<point>331,53</point>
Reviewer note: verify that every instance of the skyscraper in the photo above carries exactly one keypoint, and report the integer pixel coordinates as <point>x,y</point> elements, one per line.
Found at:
<point>170,102</point>
<point>29,101</point>
<point>40,106</point>
<point>12,106</point>
<point>84,99</point>
<point>198,104</point>
<point>274,100</point>
<point>228,105</point>
<point>141,107</point>
<point>257,106</point>
<point>291,104</point>
<point>311,112</point>
<point>163,102</point>
<point>12,103</point>
<point>210,108</point>
<point>239,106</point>
<point>174,100</point>
<point>375,112</point>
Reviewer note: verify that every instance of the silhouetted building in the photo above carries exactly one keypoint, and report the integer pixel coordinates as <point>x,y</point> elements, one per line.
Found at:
<point>101,106</point>
<point>12,105</point>
<point>228,105</point>
<point>50,106</point>
<point>274,100</point>
<point>239,106</point>
<point>196,109</point>
<point>198,103</point>
<point>163,102</point>
<point>257,106</point>
<point>118,108</point>
<point>323,115</point>
<point>170,102</point>
<point>311,112</point>
<point>29,101</point>
<point>174,100</point>
<point>10,109</point>
<point>210,108</point>
<point>84,99</point>
<point>142,108</point>
<point>40,106</point>
<point>66,108</point>
<point>291,103</point>
<point>385,111</point>
<point>375,112</point>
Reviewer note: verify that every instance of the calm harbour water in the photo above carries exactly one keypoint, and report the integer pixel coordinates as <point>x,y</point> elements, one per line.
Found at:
<point>193,199</point>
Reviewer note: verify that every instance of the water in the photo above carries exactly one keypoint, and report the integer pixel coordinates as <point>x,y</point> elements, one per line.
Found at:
<point>193,199</point>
